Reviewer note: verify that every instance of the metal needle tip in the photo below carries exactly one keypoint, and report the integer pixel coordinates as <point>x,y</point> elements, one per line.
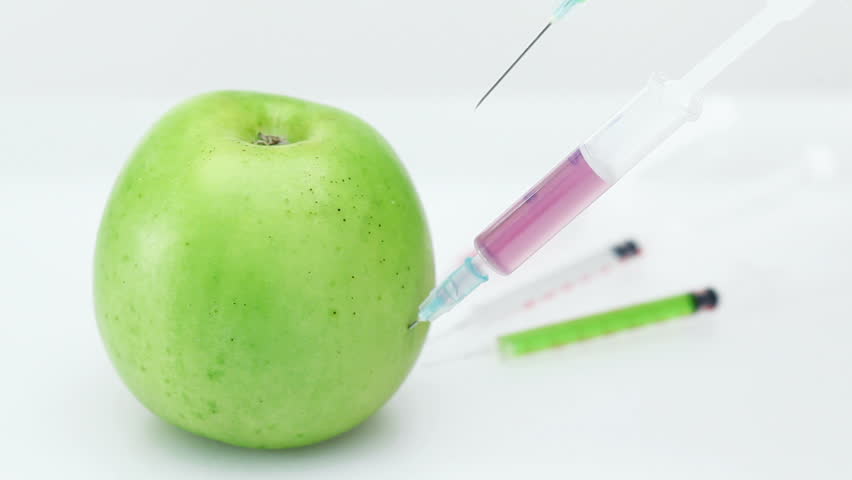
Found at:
<point>499,80</point>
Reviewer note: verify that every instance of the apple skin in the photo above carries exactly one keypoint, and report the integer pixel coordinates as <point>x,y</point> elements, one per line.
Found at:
<point>260,295</point>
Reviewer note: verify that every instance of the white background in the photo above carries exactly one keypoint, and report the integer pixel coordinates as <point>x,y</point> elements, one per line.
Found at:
<point>316,49</point>
<point>754,199</point>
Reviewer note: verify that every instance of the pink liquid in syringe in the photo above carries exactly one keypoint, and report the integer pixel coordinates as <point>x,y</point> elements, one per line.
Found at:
<point>562,195</point>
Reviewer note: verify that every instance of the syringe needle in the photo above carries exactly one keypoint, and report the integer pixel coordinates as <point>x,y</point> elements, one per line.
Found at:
<point>549,24</point>
<point>561,11</point>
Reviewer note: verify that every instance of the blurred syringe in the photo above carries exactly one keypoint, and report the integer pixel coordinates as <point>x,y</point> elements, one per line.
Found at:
<point>606,323</point>
<point>548,286</point>
<point>588,327</point>
<point>646,122</point>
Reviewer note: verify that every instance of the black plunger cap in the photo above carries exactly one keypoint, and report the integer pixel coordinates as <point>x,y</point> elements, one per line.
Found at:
<point>626,250</point>
<point>706,300</point>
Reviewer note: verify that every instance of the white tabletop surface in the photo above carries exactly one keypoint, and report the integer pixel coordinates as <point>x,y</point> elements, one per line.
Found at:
<point>754,200</point>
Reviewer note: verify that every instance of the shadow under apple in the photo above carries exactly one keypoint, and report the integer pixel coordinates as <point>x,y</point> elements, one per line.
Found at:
<point>376,432</point>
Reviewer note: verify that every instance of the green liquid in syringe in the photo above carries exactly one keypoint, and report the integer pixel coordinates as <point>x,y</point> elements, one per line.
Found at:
<point>585,328</point>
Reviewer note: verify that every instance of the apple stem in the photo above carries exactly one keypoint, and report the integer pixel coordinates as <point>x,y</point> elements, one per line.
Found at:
<point>264,139</point>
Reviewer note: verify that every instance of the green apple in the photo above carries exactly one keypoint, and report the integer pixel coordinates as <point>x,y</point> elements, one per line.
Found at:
<point>257,267</point>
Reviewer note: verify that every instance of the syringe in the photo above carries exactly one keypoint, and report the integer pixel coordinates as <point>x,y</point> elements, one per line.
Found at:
<point>592,326</point>
<point>527,296</point>
<point>641,126</point>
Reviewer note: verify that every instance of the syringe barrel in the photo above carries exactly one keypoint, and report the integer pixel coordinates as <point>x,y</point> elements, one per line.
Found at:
<point>650,118</point>
<point>540,214</point>
<point>640,127</point>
